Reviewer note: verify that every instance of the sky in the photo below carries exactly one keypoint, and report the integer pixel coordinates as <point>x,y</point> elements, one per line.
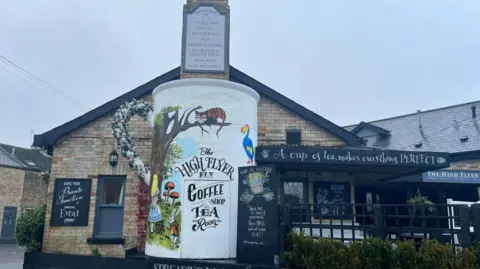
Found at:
<point>349,61</point>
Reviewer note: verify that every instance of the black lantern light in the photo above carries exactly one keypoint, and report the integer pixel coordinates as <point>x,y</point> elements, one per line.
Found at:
<point>113,158</point>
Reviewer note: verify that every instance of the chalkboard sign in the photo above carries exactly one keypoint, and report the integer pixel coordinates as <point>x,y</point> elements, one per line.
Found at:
<point>331,199</point>
<point>71,202</point>
<point>257,232</point>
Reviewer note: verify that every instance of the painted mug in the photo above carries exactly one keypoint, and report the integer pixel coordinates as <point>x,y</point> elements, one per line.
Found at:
<point>255,182</point>
<point>196,150</point>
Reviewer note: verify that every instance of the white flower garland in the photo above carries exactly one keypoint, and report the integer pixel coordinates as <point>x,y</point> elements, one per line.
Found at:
<point>124,141</point>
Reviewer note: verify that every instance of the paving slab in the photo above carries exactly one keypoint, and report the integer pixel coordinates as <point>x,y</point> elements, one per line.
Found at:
<point>10,254</point>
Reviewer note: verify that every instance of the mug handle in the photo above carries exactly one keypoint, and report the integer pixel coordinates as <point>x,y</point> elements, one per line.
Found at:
<point>124,142</point>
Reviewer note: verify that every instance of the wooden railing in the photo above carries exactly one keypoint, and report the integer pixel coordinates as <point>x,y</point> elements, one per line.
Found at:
<point>350,222</point>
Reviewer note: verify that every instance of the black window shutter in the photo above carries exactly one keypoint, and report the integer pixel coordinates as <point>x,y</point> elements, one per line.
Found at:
<point>294,137</point>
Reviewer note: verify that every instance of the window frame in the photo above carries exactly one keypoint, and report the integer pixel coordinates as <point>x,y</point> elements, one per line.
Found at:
<point>305,183</point>
<point>293,131</point>
<point>99,206</point>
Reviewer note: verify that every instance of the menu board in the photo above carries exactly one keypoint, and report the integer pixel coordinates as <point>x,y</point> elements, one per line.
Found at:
<point>71,202</point>
<point>332,199</point>
<point>257,232</point>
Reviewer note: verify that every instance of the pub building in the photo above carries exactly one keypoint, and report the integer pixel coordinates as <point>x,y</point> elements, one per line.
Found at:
<point>222,148</point>
<point>453,129</point>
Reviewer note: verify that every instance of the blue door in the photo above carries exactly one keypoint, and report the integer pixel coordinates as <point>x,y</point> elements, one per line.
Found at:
<point>8,222</point>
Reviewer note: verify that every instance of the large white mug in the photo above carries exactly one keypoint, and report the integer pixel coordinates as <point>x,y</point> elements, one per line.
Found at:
<point>204,129</point>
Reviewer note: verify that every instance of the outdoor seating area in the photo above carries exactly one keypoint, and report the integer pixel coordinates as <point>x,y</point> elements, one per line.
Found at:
<point>452,223</point>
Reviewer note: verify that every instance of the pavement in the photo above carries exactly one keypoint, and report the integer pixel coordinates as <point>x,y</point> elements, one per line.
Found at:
<point>11,256</point>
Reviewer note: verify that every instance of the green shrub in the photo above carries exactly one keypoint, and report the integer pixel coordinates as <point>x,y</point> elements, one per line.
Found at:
<point>319,254</point>
<point>433,255</point>
<point>466,259</point>
<point>476,249</point>
<point>374,253</point>
<point>406,255</point>
<point>29,229</point>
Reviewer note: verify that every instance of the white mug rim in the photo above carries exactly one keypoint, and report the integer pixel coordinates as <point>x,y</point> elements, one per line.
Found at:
<point>207,82</point>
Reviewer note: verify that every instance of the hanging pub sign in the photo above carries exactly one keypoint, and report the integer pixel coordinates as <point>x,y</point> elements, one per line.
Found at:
<point>257,234</point>
<point>346,156</point>
<point>71,202</point>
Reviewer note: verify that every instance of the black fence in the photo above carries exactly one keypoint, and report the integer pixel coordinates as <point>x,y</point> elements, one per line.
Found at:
<point>454,224</point>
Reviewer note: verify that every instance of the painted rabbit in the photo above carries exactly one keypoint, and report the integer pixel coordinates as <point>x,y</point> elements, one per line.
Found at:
<point>173,227</point>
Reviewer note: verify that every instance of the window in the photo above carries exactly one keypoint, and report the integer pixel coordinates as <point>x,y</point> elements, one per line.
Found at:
<point>110,206</point>
<point>294,137</point>
<point>112,192</point>
<point>294,192</point>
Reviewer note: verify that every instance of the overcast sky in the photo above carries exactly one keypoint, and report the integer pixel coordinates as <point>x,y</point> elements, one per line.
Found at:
<point>347,60</point>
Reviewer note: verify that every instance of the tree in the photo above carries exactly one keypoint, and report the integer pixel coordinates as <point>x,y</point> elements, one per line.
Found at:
<point>29,229</point>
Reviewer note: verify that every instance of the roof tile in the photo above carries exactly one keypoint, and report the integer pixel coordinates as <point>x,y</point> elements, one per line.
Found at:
<point>441,130</point>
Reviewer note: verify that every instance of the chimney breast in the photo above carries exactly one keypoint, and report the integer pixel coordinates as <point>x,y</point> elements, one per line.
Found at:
<point>474,111</point>
<point>13,151</point>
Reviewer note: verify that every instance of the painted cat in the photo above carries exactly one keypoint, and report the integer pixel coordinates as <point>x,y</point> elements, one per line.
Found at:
<point>210,116</point>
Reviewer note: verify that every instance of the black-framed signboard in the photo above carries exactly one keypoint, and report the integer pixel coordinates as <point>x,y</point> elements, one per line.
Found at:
<point>71,202</point>
<point>346,156</point>
<point>332,200</point>
<point>257,230</point>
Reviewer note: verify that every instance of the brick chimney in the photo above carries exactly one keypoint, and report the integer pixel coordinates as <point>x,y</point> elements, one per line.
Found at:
<point>206,39</point>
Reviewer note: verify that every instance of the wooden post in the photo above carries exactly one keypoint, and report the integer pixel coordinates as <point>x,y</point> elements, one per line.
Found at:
<point>378,221</point>
<point>464,236</point>
<point>476,220</point>
<point>285,227</point>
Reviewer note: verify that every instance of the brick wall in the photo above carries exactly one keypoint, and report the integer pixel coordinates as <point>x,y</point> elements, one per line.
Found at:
<point>273,119</point>
<point>466,165</point>
<point>34,190</point>
<point>11,189</point>
<point>84,153</point>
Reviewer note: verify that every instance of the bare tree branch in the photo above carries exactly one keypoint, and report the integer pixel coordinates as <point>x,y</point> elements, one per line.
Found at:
<point>186,125</point>
<point>173,118</point>
<point>184,113</point>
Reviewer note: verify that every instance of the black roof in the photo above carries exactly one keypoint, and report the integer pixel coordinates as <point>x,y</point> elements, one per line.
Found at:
<point>48,139</point>
<point>31,159</point>
<point>441,130</point>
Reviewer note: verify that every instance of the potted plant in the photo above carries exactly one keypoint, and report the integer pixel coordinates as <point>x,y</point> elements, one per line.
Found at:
<point>422,206</point>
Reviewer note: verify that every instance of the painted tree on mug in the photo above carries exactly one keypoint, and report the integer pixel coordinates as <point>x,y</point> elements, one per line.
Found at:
<point>168,124</point>
<point>164,213</point>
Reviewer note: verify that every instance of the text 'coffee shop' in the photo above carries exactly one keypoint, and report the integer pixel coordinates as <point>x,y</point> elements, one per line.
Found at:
<point>194,164</point>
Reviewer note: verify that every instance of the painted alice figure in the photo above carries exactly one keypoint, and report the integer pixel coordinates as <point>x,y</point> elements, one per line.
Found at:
<point>155,214</point>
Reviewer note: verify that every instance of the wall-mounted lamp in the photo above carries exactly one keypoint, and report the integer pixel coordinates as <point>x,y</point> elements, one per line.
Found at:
<point>113,158</point>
